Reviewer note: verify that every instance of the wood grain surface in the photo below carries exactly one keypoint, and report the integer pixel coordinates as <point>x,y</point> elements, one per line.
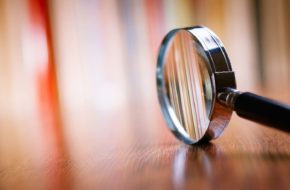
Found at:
<point>131,148</point>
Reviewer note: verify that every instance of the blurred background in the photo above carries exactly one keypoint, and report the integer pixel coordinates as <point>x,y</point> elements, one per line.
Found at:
<point>102,54</point>
<point>75,69</point>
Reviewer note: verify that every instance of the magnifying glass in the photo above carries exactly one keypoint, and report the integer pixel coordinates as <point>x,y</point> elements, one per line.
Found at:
<point>197,88</point>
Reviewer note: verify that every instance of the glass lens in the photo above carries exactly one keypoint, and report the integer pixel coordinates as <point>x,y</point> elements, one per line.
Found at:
<point>188,84</point>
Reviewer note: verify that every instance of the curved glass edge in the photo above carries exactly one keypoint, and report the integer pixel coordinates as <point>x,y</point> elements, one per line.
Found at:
<point>170,117</point>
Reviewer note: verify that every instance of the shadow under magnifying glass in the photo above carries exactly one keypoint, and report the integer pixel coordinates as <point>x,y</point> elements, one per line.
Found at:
<point>195,163</point>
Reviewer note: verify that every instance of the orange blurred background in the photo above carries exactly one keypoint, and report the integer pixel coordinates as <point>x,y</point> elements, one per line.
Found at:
<point>102,54</point>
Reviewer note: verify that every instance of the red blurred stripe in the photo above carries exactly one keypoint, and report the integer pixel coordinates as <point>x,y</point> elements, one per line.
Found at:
<point>46,84</point>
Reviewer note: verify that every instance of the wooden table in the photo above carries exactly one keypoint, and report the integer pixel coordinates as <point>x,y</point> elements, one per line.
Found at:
<point>131,148</point>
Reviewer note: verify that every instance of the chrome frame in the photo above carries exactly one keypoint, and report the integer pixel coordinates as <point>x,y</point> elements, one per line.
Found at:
<point>222,77</point>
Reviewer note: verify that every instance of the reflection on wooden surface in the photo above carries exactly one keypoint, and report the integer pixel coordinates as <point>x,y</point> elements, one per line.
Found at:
<point>110,154</point>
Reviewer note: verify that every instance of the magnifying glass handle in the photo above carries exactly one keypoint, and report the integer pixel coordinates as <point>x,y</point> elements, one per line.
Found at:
<point>257,108</point>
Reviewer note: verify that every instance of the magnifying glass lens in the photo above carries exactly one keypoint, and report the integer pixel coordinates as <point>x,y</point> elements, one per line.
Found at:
<point>188,85</point>
<point>197,88</point>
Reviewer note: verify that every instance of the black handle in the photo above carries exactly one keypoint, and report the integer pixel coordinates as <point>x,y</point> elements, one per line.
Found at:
<point>263,110</point>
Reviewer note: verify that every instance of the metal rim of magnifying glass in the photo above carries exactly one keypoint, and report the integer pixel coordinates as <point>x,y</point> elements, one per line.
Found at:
<point>221,76</point>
